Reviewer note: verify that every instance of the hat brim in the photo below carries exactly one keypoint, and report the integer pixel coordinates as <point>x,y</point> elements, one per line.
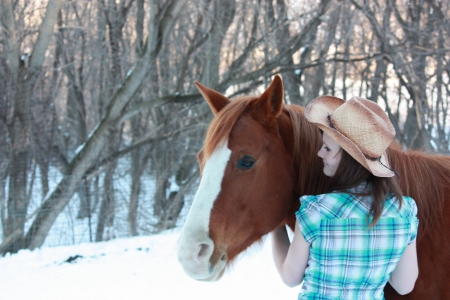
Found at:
<point>317,113</point>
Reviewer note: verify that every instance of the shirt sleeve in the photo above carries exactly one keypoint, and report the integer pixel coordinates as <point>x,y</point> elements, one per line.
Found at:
<point>413,217</point>
<point>308,217</point>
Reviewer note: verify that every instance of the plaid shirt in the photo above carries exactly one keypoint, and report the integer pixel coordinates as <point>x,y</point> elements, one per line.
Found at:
<point>347,260</point>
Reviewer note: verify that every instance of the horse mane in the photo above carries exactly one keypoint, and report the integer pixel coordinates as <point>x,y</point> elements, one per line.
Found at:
<point>425,178</point>
<point>307,142</point>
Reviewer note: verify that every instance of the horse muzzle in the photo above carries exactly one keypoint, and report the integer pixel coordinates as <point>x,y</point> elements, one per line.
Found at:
<point>198,258</point>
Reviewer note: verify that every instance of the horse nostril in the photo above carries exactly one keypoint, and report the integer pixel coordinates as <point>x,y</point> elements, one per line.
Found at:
<point>203,251</point>
<point>224,257</point>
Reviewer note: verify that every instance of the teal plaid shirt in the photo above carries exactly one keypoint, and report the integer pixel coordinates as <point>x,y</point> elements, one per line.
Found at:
<point>347,260</point>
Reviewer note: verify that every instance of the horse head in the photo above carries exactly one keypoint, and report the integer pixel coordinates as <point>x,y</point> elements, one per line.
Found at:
<point>248,180</point>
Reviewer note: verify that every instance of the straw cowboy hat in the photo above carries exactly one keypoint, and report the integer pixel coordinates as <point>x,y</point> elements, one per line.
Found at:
<point>359,126</point>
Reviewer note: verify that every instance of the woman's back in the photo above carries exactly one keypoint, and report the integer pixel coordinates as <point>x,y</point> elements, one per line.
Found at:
<point>349,244</point>
<point>349,260</point>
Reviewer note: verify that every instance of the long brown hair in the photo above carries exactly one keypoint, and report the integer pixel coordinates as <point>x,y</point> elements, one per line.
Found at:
<point>351,173</point>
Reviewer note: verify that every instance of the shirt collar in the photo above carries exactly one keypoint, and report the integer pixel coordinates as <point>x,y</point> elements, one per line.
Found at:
<point>363,187</point>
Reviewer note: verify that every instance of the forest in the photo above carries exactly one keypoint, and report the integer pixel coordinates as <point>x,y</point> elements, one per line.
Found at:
<point>100,118</point>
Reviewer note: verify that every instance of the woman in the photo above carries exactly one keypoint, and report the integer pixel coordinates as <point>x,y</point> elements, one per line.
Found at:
<point>350,242</point>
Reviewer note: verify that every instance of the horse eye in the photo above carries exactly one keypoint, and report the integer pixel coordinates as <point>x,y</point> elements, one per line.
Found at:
<point>246,162</point>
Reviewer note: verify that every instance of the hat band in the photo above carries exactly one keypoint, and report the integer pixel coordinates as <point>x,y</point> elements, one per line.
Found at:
<point>373,158</point>
<point>366,156</point>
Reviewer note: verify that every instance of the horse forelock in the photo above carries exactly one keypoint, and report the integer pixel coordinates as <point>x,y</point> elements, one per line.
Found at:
<point>221,125</point>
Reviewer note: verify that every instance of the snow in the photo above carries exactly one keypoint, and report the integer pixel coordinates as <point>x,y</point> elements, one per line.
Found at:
<point>144,267</point>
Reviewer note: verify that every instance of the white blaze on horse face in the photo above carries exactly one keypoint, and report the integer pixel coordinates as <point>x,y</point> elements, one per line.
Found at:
<point>194,246</point>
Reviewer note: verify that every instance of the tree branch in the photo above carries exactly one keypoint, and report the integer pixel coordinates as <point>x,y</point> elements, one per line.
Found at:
<point>45,33</point>
<point>10,35</point>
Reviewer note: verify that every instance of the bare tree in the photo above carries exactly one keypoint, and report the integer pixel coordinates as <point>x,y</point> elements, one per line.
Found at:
<point>23,70</point>
<point>159,27</point>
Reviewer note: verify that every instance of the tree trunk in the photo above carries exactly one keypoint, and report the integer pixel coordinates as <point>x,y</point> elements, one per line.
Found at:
<point>107,207</point>
<point>23,76</point>
<point>315,77</point>
<point>223,16</point>
<point>139,164</point>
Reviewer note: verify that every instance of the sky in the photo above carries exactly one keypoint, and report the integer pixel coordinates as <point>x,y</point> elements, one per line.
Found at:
<point>144,267</point>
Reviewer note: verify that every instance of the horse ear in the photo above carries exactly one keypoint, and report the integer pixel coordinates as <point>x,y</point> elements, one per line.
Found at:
<point>271,101</point>
<point>216,100</point>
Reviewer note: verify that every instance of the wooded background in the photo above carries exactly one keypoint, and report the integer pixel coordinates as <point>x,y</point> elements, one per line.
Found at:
<point>100,120</point>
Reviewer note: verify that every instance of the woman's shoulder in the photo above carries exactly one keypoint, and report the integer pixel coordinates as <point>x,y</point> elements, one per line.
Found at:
<point>315,208</point>
<point>326,196</point>
<point>325,200</point>
<point>308,199</point>
<point>408,207</point>
<point>409,201</point>
<point>312,199</point>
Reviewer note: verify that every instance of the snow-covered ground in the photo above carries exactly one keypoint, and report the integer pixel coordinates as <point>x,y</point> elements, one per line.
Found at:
<point>133,268</point>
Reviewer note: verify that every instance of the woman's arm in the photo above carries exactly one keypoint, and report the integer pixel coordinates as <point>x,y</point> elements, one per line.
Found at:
<point>290,259</point>
<point>405,274</point>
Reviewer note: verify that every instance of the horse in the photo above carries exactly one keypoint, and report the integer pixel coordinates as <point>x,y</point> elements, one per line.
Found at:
<point>260,155</point>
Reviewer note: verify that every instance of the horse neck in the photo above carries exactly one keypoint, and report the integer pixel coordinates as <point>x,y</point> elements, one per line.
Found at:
<point>426,179</point>
<point>308,166</point>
